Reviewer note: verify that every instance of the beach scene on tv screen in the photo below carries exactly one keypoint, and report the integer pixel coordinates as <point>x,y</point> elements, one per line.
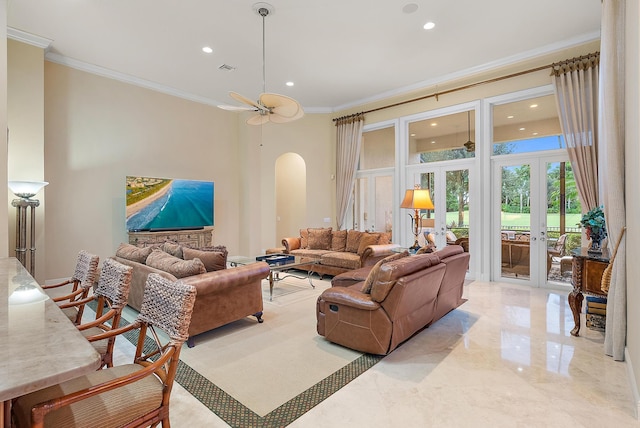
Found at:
<point>165,203</point>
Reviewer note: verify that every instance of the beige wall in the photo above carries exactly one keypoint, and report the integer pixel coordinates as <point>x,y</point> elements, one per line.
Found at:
<point>25,102</point>
<point>313,138</point>
<point>632,182</point>
<point>100,130</point>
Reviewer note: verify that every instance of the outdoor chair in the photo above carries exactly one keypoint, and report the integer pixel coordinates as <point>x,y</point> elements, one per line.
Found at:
<point>83,279</point>
<point>132,395</point>
<point>557,251</point>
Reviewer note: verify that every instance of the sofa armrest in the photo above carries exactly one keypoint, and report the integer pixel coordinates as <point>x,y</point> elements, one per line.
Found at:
<point>373,253</point>
<point>218,280</point>
<point>291,244</point>
<point>349,297</point>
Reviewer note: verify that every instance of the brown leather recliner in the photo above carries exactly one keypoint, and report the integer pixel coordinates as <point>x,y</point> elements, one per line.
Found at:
<point>407,295</point>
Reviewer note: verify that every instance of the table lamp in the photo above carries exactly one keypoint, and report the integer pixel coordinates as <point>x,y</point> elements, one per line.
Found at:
<point>417,199</point>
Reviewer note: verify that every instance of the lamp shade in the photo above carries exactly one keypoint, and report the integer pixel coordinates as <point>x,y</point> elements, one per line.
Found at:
<point>26,189</point>
<point>417,199</point>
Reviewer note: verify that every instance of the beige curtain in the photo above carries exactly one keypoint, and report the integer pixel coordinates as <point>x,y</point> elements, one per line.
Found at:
<point>349,140</point>
<point>576,85</point>
<point>612,166</point>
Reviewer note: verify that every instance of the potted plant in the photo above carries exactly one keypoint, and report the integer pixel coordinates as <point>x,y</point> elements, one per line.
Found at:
<point>595,227</point>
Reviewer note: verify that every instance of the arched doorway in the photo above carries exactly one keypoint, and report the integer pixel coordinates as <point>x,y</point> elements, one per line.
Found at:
<point>291,195</point>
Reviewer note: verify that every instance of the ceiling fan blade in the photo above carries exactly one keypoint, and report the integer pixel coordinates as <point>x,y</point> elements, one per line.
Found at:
<point>258,119</point>
<point>276,118</point>
<point>236,108</point>
<point>282,105</point>
<point>236,96</point>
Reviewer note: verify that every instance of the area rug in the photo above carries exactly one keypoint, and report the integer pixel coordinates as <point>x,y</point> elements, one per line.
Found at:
<point>269,374</point>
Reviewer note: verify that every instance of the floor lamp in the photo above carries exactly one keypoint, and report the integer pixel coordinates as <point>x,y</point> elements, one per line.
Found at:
<point>25,190</point>
<point>417,199</point>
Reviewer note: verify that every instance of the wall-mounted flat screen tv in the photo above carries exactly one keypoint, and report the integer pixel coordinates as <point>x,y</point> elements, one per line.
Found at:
<point>155,204</point>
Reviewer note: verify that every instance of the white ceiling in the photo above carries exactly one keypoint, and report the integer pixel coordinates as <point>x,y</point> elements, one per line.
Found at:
<point>339,53</point>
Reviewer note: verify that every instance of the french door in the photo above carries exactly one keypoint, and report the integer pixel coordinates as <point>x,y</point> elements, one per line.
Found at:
<point>450,187</point>
<point>525,211</point>
<point>373,196</point>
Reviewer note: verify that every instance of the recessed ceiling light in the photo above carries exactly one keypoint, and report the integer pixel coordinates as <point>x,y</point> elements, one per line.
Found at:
<point>413,135</point>
<point>522,129</point>
<point>429,25</point>
<point>535,133</point>
<point>289,83</point>
<point>434,124</point>
<point>207,49</point>
<point>533,106</point>
<point>510,117</point>
<point>433,142</point>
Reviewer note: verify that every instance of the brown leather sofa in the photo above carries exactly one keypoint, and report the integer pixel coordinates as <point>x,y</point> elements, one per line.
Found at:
<point>338,251</point>
<point>407,295</point>
<point>223,295</point>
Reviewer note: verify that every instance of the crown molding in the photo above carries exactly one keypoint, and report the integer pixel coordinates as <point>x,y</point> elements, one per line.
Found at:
<point>126,78</point>
<point>122,77</point>
<point>31,39</point>
<point>510,60</point>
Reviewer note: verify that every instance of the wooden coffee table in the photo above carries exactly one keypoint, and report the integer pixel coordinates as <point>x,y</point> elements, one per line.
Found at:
<point>275,271</point>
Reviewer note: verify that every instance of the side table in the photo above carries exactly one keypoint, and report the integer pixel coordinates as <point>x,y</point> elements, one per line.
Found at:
<point>587,278</point>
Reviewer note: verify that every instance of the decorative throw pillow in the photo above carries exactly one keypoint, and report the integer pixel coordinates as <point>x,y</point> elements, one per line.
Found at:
<point>216,248</point>
<point>304,239</point>
<point>212,260</point>
<point>353,241</point>
<point>172,248</point>
<point>373,273</point>
<point>133,253</point>
<point>366,240</point>
<point>319,239</point>
<point>177,267</point>
<point>385,238</point>
<point>338,240</point>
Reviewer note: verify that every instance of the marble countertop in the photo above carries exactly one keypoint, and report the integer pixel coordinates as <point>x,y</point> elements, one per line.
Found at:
<point>40,346</point>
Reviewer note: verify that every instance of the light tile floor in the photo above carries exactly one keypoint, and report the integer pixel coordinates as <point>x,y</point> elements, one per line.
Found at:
<point>503,359</point>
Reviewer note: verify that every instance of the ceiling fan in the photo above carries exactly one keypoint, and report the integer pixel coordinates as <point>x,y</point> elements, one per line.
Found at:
<point>270,107</point>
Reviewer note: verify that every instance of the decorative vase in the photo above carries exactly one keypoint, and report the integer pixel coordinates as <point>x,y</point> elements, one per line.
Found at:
<point>596,242</point>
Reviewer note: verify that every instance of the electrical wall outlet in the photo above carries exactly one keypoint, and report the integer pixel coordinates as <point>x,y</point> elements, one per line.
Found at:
<point>327,219</point>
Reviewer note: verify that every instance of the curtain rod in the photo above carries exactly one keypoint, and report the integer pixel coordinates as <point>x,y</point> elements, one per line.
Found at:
<point>471,85</point>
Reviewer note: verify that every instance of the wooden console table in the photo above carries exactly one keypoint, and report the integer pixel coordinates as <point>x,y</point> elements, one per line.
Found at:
<point>587,278</point>
<point>193,238</point>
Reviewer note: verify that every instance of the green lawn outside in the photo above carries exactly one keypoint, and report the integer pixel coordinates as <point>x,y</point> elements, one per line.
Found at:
<point>517,219</point>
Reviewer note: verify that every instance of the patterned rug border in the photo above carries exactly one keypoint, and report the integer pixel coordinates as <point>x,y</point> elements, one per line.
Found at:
<point>236,414</point>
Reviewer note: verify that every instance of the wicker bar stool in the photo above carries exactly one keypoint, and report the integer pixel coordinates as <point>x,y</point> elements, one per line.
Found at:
<point>111,294</point>
<point>132,395</point>
<point>83,279</point>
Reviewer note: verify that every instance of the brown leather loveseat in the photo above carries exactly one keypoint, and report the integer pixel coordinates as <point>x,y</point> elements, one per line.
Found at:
<point>223,295</point>
<point>406,295</point>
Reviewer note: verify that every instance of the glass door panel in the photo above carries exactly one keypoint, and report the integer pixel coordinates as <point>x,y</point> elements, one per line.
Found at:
<point>427,236</point>
<point>457,203</point>
<point>361,205</point>
<point>515,221</point>
<point>563,214</point>
<point>383,206</point>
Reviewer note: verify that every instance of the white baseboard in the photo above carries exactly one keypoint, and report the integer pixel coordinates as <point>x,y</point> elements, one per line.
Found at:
<point>632,383</point>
